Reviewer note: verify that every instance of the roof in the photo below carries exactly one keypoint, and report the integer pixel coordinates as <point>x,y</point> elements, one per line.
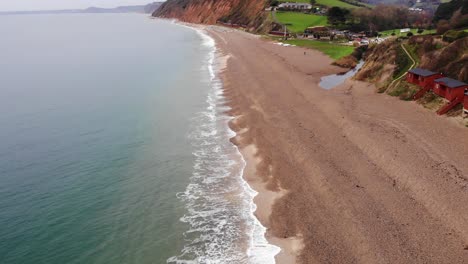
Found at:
<point>319,28</point>
<point>295,4</point>
<point>451,83</point>
<point>422,72</point>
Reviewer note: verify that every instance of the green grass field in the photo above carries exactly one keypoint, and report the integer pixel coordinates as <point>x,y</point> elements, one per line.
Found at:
<point>334,51</point>
<point>299,21</point>
<point>399,34</point>
<point>337,3</point>
<point>329,3</point>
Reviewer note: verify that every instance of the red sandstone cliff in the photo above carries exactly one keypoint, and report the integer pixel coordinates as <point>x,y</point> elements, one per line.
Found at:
<point>245,12</point>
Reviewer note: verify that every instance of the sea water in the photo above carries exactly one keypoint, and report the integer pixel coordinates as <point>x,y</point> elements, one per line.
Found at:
<point>114,146</point>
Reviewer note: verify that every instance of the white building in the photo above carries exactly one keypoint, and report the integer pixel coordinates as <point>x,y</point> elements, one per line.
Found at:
<point>297,6</point>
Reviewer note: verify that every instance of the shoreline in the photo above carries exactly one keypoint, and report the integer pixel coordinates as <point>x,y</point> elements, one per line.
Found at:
<point>260,250</point>
<point>288,248</point>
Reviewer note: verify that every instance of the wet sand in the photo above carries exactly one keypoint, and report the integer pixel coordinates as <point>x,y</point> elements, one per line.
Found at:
<point>345,175</point>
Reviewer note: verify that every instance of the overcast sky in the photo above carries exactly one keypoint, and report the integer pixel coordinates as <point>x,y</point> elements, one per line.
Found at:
<point>25,5</point>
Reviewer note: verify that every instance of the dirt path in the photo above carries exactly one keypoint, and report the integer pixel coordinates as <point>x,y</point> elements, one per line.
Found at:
<point>366,178</point>
<point>411,67</point>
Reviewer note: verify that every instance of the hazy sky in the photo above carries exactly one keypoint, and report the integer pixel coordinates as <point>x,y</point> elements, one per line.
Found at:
<point>14,5</point>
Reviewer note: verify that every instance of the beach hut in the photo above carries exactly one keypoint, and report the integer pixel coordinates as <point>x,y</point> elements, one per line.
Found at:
<point>423,78</point>
<point>465,103</point>
<point>452,90</point>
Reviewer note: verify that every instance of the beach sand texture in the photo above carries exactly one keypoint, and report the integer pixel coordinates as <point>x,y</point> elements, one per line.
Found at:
<point>346,175</point>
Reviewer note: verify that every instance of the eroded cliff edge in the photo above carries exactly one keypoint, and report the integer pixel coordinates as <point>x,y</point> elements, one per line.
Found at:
<point>249,13</point>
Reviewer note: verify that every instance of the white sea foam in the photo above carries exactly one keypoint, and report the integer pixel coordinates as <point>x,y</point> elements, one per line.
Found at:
<point>223,228</point>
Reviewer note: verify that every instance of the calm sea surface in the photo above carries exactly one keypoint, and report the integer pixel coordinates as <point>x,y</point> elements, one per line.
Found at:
<point>114,148</point>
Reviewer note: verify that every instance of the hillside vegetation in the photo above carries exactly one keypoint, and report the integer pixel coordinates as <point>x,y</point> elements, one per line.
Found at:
<point>334,51</point>
<point>387,61</point>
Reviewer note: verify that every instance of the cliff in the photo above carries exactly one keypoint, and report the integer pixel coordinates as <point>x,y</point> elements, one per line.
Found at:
<point>452,60</point>
<point>429,51</point>
<point>244,12</point>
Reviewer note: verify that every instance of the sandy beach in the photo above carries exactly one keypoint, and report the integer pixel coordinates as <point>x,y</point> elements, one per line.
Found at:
<point>344,175</point>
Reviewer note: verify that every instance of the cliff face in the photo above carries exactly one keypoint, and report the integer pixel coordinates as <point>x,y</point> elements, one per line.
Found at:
<point>388,60</point>
<point>245,12</point>
<point>379,63</point>
<point>433,54</point>
<point>452,60</point>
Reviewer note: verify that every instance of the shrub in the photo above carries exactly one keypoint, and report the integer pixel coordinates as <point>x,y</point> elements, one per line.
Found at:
<point>453,35</point>
<point>402,63</point>
<point>420,31</point>
<point>410,34</point>
<point>442,26</point>
<point>404,91</point>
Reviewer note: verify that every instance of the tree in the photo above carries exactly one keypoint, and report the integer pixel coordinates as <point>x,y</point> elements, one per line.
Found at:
<point>458,19</point>
<point>383,17</point>
<point>442,26</point>
<point>446,10</point>
<point>312,2</point>
<point>337,16</point>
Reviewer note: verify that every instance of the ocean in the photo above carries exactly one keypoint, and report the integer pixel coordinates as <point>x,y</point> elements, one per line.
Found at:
<point>114,146</point>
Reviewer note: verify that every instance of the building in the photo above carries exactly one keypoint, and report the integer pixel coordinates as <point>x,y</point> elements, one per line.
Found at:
<point>280,33</point>
<point>465,103</point>
<point>415,10</point>
<point>452,90</point>
<point>295,6</point>
<point>449,88</point>
<point>423,78</point>
<point>318,32</point>
<point>364,42</point>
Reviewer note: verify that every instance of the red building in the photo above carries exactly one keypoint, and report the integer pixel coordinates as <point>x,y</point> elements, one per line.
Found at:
<point>450,89</point>
<point>465,103</point>
<point>423,78</point>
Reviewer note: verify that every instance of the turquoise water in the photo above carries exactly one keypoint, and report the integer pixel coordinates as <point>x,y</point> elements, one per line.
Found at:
<point>94,117</point>
<point>114,146</point>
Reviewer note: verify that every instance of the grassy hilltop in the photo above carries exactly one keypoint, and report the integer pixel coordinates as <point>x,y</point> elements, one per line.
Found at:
<point>298,22</point>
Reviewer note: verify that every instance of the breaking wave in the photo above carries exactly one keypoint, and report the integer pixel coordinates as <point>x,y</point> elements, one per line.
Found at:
<point>219,203</point>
